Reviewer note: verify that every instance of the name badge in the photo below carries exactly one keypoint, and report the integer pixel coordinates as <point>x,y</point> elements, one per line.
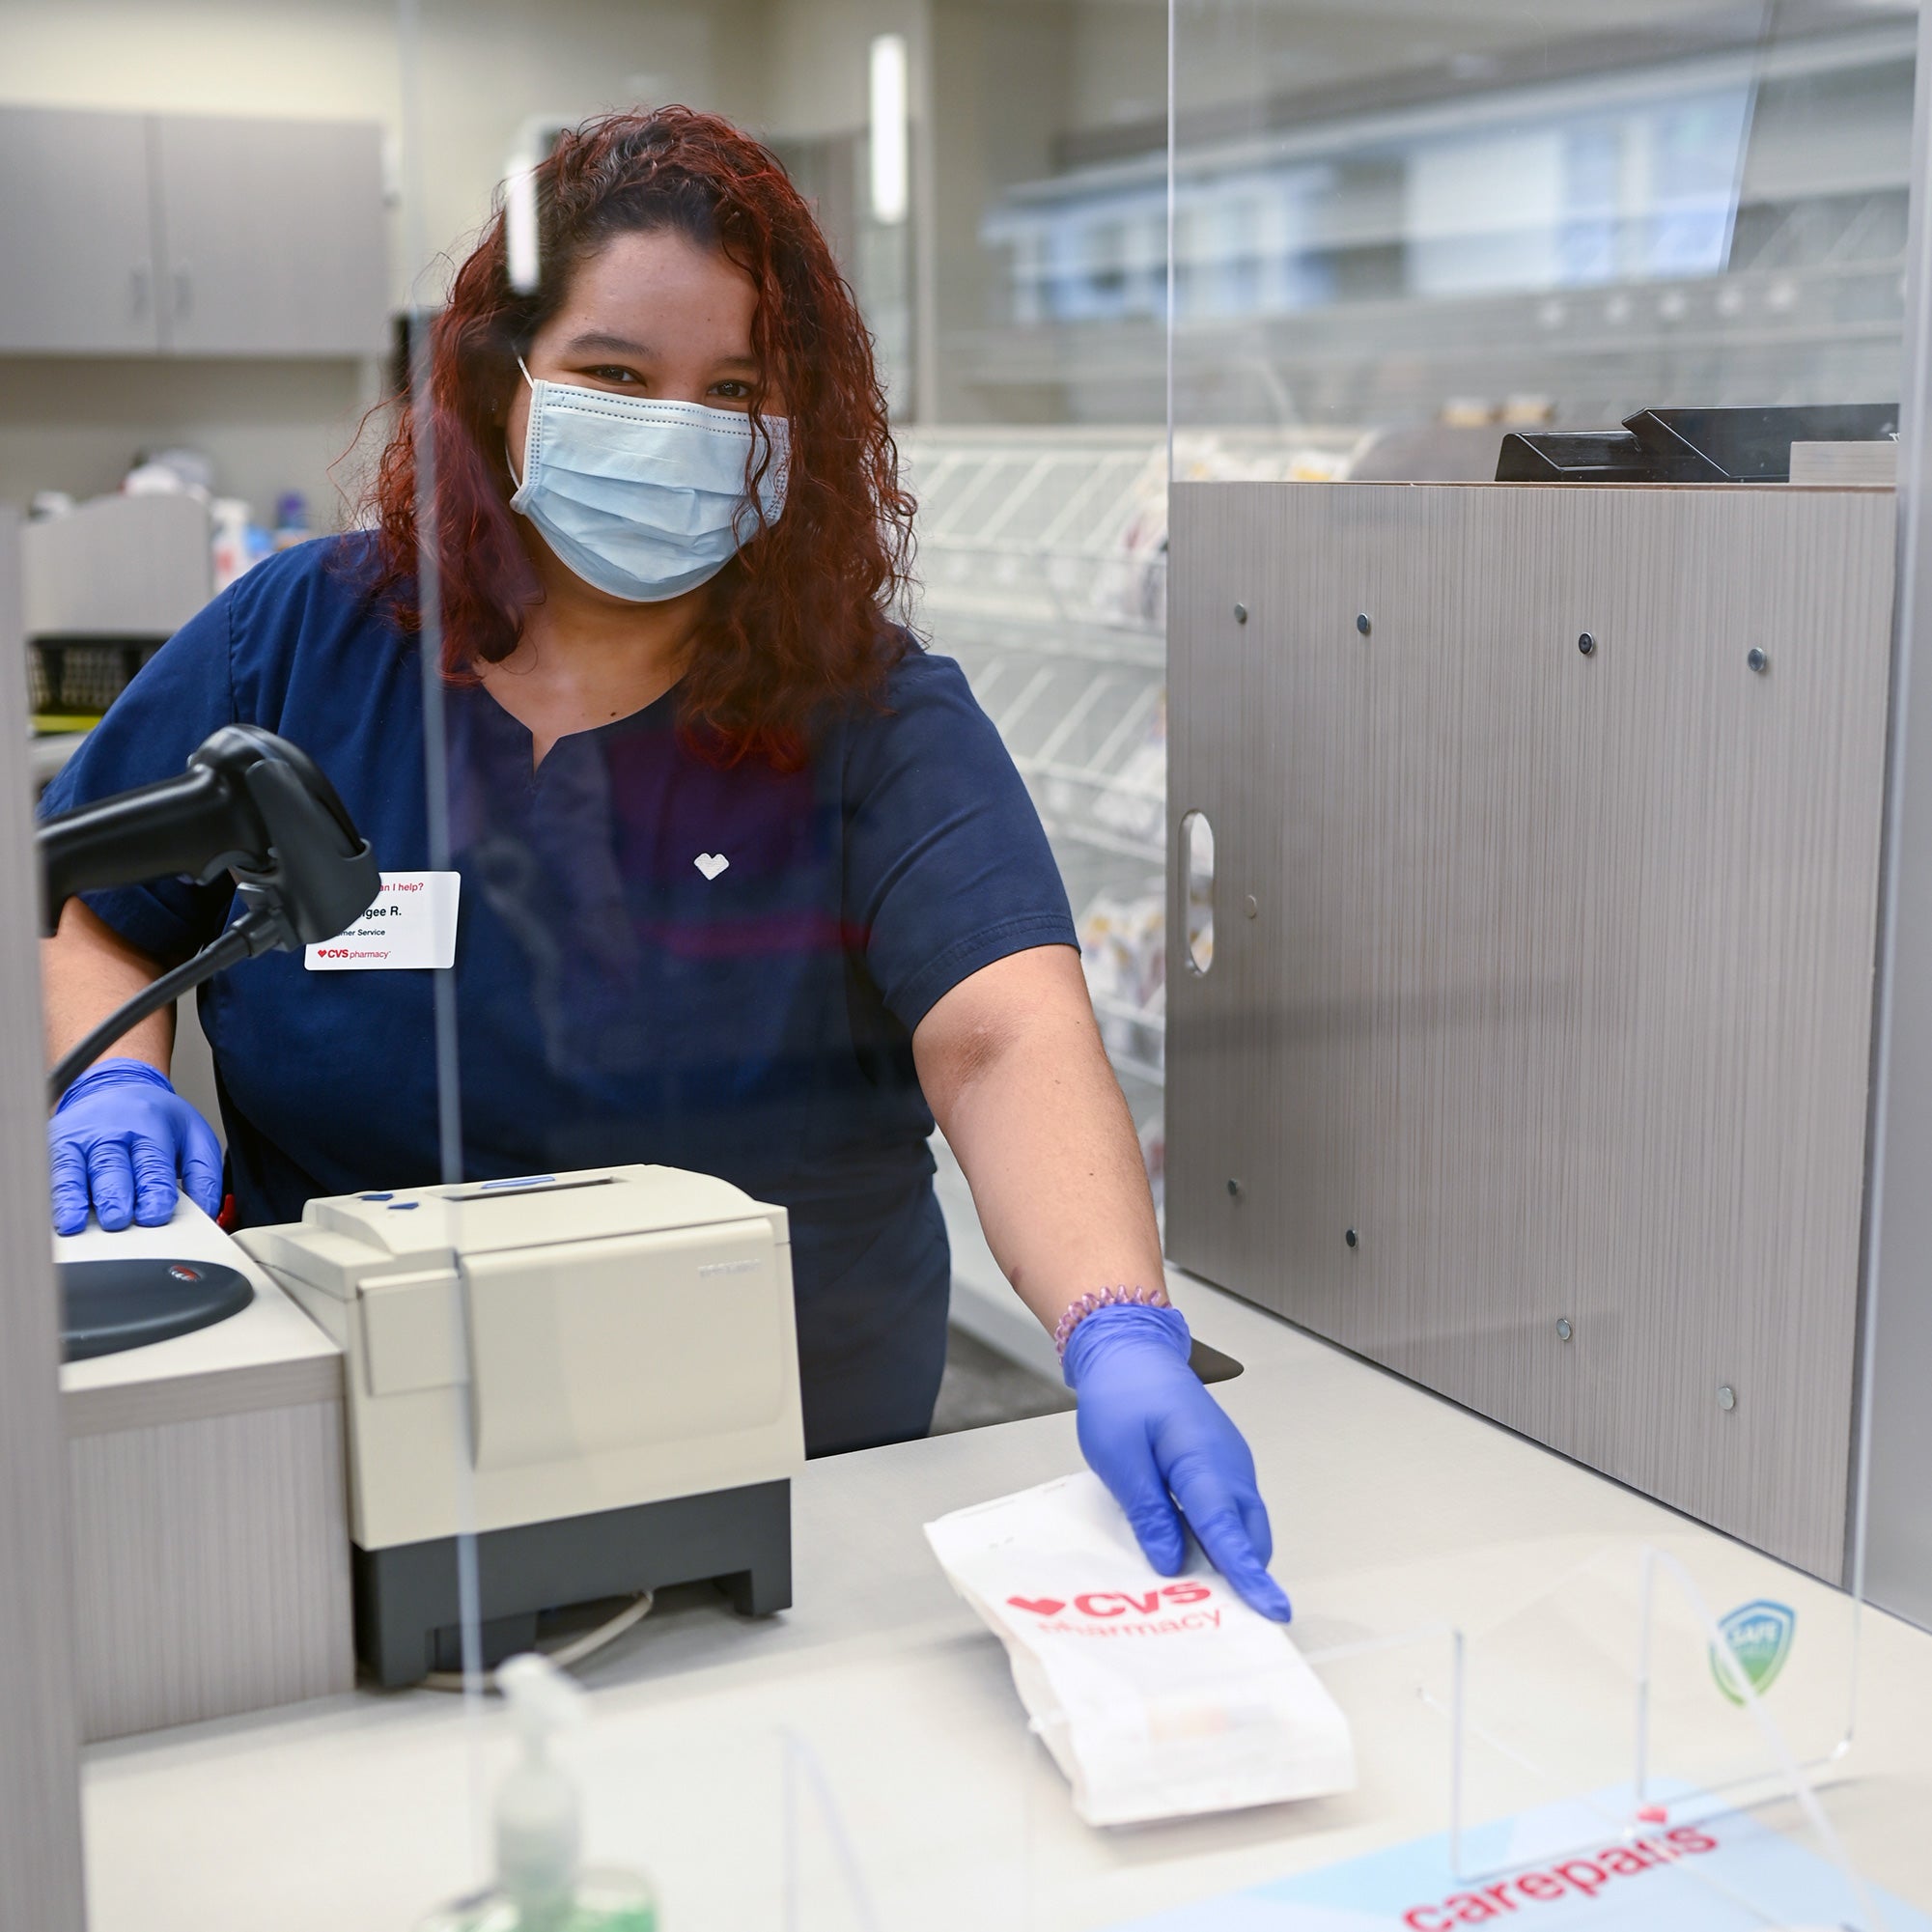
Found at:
<point>413,923</point>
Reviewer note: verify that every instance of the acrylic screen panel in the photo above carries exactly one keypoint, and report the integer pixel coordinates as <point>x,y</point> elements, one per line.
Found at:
<point>1400,235</point>
<point>201,253</point>
<point>618,920</point>
<point>1397,227</point>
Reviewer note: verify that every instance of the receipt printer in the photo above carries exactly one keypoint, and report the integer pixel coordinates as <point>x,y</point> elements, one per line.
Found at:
<point>597,1373</point>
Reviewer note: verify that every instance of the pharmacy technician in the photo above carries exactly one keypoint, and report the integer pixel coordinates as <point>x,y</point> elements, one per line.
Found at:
<point>745,882</point>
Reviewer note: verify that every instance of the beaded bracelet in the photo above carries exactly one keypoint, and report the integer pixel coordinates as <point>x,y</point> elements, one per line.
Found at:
<point>1116,1296</point>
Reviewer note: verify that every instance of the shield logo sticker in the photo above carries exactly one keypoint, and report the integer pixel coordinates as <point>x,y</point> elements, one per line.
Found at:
<point>1759,1637</point>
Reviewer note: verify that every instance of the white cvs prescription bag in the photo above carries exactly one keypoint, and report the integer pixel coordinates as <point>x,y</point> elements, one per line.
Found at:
<point>1158,1696</point>
<point>411,924</point>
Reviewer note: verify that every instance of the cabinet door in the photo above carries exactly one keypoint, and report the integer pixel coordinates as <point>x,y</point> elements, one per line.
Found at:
<point>1548,998</point>
<point>273,237</point>
<point>76,266</point>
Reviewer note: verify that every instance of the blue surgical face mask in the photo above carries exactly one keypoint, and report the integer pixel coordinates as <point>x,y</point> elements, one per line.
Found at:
<point>644,499</point>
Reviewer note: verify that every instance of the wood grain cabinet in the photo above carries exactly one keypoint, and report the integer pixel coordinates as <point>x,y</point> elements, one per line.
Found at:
<point>182,234</point>
<point>1532,1061</point>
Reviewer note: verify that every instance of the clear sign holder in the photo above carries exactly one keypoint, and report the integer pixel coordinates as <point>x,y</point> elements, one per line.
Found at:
<point>1616,1723</point>
<point>1676,1714</point>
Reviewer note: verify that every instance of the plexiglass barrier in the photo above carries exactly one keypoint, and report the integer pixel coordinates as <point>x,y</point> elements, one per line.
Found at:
<point>1489,345</point>
<point>1392,248</point>
<point>681,1163</point>
<point>1515,859</point>
<point>1640,1729</point>
<point>202,242</point>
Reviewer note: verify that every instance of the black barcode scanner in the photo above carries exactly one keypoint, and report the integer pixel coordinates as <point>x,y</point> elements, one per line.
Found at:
<point>250,804</point>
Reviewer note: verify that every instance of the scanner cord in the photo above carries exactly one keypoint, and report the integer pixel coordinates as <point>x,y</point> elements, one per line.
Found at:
<point>236,944</point>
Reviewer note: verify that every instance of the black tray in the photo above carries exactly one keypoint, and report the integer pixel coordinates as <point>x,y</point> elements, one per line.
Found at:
<point>113,1304</point>
<point>1732,445</point>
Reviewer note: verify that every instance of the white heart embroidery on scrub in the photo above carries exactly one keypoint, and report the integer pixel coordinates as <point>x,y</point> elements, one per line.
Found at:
<point>710,863</point>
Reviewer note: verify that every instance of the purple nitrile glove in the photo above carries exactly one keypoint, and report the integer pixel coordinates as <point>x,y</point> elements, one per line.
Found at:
<point>1156,1438</point>
<point>119,1137</point>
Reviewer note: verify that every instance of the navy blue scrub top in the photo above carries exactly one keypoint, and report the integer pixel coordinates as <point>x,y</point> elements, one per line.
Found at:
<point>614,1004</point>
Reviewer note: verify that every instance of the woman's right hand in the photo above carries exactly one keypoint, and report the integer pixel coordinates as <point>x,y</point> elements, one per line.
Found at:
<point>117,1141</point>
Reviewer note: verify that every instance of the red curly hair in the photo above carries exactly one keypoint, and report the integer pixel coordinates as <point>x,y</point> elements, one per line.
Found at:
<point>797,621</point>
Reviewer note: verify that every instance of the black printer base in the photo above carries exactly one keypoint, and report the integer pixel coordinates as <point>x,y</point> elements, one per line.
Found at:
<point>408,1621</point>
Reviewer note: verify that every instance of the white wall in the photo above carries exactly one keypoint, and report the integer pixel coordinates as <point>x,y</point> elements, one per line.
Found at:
<point>1019,72</point>
<point>1118,66</point>
<point>488,65</point>
<point>813,55</point>
<point>1002,88</point>
<point>74,423</point>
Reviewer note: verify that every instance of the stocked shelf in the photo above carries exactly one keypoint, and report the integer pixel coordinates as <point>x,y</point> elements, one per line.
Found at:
<point>1089,740</point>
<point>1043,561</point>
<point>1054,535</point>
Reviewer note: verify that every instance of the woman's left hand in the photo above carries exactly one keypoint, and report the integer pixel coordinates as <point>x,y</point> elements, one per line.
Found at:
<point>1155,1436</point>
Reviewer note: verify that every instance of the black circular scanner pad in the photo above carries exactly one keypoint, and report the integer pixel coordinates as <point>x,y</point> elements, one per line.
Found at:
<point>114,1304</point>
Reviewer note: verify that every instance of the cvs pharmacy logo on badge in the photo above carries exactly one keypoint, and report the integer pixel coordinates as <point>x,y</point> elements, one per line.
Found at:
<point>1114,1603</point>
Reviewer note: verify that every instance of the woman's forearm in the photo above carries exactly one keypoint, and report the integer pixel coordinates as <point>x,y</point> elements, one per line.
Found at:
<point>1012,1063</point>
<point>86,969</point>
<point>1020,1083</point>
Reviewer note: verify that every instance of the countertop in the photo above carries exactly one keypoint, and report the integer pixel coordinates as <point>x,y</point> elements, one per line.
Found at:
<point>1396,1516</point>
<point>268,1355</point>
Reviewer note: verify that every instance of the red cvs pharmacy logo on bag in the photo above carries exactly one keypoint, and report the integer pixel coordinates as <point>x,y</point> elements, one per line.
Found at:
<point>1160,1612</point>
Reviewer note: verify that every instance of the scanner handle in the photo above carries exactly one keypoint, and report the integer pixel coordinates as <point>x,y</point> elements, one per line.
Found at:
<point>199,823</point>
<point>249,803</point>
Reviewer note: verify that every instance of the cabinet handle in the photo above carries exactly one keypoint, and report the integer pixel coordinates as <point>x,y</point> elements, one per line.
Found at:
<point>137,289</point>
<point>183,293</point>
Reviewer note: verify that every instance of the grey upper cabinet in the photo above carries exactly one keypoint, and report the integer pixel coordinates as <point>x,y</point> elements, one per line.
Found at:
<point>271,234</point>
<point>132,234</point>
<point>77,270</point>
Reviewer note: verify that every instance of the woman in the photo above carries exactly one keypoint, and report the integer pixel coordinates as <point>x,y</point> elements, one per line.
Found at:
<point>745,881</point>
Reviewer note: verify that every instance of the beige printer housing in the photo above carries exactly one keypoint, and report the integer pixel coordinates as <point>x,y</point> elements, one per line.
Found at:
<point>605,1350</point>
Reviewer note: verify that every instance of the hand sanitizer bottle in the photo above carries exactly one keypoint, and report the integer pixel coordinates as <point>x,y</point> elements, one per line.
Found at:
<point>541,1884</point>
